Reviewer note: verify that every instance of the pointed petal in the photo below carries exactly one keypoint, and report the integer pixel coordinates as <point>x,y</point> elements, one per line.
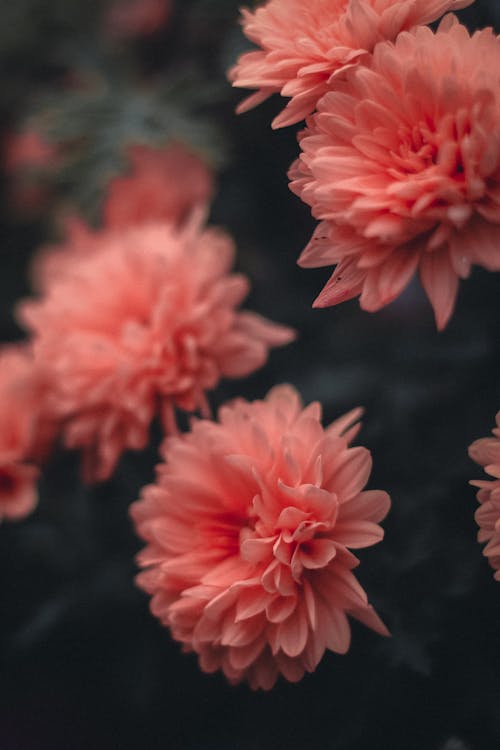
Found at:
<point>441,284</point>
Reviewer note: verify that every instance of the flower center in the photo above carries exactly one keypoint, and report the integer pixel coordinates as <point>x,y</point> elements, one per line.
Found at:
<point>418,149</point>
<point>294,542</point>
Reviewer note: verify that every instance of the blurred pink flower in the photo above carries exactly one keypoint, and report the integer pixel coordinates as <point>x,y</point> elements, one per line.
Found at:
<point>24,435</point>
<point>164,184</point>
<point>307,45</point>
<point>29,161</point>
<point>134,18</point>
<point>248,532</point>
<point>486,453</point>
<point>27,150</point>
<point>402,164</point>
<point>147,322</point>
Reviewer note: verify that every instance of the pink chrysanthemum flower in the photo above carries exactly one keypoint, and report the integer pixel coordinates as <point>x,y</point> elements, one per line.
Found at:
<point>249,530</point>
<point>486,452</point>
<point>307,45</point>
<point>165,184</point>
<point>402,164</point>
<point>147,322</point>
<point>24,435</point>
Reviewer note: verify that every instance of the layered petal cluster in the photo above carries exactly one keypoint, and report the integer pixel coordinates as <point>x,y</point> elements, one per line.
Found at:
<point>24,434</point>
<point>307,45</point>
<point>402,165</point>
<point>486,452</point>
<point>164,184</point>
<point>249,529</point>
<point>148,321</point>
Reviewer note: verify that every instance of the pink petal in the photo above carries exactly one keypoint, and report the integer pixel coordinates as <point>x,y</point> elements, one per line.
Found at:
<point>345,283</point>
<point>357,534</point>
<point>292,634</point>
<point>441,284</point>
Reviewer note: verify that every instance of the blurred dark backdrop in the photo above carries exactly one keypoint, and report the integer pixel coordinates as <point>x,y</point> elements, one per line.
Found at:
<point>82,662</point>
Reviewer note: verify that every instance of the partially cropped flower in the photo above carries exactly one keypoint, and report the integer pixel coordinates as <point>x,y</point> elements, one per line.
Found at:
<point>24,433</point>
<point>306,46</point>
<point>486,452</point>
<point>135,18</point>
<point>149,321</point>
<point>163,184</point>
<point>249,529</point>
<point>402,165</point>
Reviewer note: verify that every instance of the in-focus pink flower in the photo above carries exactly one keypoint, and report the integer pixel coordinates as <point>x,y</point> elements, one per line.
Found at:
<point>486,452</point>
<point>147,322</point>
<point>307,45</point>
<point>165,184</point>
<point>24,434</point>
<point>249,529</point>
<point>402,165</point>
<point>134,18</point>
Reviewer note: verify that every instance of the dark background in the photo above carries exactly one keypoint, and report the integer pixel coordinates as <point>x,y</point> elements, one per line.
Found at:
<point>82,662</point>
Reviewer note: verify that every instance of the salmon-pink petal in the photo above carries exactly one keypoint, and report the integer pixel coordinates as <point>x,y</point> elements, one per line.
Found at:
<point>370,618</point>
<point>291,669</point>
<point>345,283</point>
<point>350,473</point>
<point>338,636</point>
<point>370,505</point>
<point>243,656</point>
<point>292,634</point>
<point>441,284</point>
<point>357,534</point>
<point>280,608</point>
<point>243,633</point>
<point>250,602</point>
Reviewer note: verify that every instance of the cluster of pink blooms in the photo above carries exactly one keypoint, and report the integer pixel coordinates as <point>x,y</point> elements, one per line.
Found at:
<point>400,156</point>
<point>251,524</point>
